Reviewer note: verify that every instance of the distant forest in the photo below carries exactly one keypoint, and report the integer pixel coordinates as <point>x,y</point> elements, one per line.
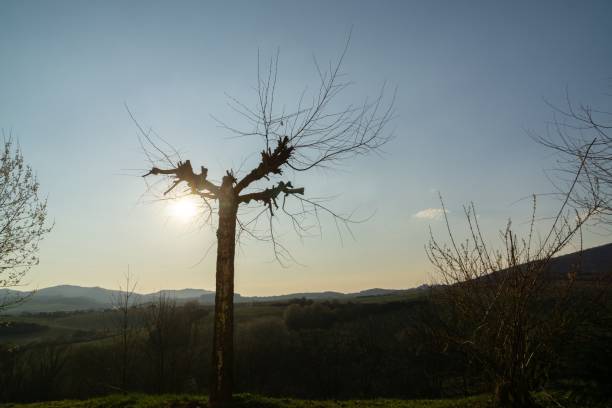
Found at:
<point>374,347</point>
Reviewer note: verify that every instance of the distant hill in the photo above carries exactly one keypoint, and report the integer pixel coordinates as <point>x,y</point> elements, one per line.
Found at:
<point>596,262</point>
<point>181,293</point>
<point>71,297</point>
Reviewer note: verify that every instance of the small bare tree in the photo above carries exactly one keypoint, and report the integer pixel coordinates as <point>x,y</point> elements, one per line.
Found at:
<point>123,302</point>
<point>160,325</point>
<point>505,308</point>
<point>313,135</point>
<point>23,219</point>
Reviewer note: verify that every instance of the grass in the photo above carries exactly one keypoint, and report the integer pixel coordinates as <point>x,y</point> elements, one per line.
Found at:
<point>256,401</point>
<point>247,401</point>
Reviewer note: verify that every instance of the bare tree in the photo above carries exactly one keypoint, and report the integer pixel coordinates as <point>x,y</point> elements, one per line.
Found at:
<point>123,302</point>
<point>314,134</point>
<point>575,129</point>
<point>161,324</point>
<point>505,308</point>
<point>23,219</point>
<point>45,365</point>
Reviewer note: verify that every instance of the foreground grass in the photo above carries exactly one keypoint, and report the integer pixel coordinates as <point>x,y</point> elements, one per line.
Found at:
<point>255,401</point>
<point>245,401</point>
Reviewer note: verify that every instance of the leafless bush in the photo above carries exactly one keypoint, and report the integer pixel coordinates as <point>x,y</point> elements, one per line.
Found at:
<point>123,303</point>
<point>505,308</point>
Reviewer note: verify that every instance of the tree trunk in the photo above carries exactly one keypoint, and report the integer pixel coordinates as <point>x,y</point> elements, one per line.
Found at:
<point>513,394</point>
<point>223,338</point>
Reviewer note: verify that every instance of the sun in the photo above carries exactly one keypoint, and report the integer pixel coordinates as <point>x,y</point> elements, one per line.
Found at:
<point>183,209</point>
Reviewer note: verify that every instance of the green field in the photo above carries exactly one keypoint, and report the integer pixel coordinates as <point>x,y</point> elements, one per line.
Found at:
<point>248,401</point>
<point>254,401</point>
<point>76,327</point>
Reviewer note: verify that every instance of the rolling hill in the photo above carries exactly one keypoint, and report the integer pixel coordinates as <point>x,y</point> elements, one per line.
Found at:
<point>595,263</point>
<point>72,298</point>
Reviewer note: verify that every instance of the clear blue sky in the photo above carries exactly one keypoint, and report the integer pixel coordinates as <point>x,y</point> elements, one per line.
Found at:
<point>471,77</point>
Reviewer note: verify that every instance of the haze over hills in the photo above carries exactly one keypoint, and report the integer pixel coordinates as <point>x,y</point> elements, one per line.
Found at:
<point>72,297</point>
<point>595,263</point>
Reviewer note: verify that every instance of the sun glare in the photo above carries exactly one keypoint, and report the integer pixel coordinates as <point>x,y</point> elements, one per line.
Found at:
<point>183,209</point>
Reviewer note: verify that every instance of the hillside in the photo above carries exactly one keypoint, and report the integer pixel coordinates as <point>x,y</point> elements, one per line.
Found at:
<point>594,263</point>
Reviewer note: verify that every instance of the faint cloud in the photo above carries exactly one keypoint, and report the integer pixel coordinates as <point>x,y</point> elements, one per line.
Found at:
<point>430,214</point>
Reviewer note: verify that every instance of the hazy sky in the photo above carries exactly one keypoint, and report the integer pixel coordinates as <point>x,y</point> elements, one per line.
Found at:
<point>472,77</point>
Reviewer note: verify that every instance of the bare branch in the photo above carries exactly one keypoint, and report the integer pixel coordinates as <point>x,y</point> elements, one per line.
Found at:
<point>196,182</point>
<point>271,163</point>
<point>581,136</point>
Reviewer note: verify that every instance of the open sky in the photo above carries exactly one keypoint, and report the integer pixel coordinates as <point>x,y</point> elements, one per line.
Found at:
<point>472,79</point>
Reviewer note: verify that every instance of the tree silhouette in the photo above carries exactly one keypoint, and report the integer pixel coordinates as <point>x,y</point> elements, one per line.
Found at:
<point>123,302</point>
<point>313,135</point>
<point>23,219</point>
